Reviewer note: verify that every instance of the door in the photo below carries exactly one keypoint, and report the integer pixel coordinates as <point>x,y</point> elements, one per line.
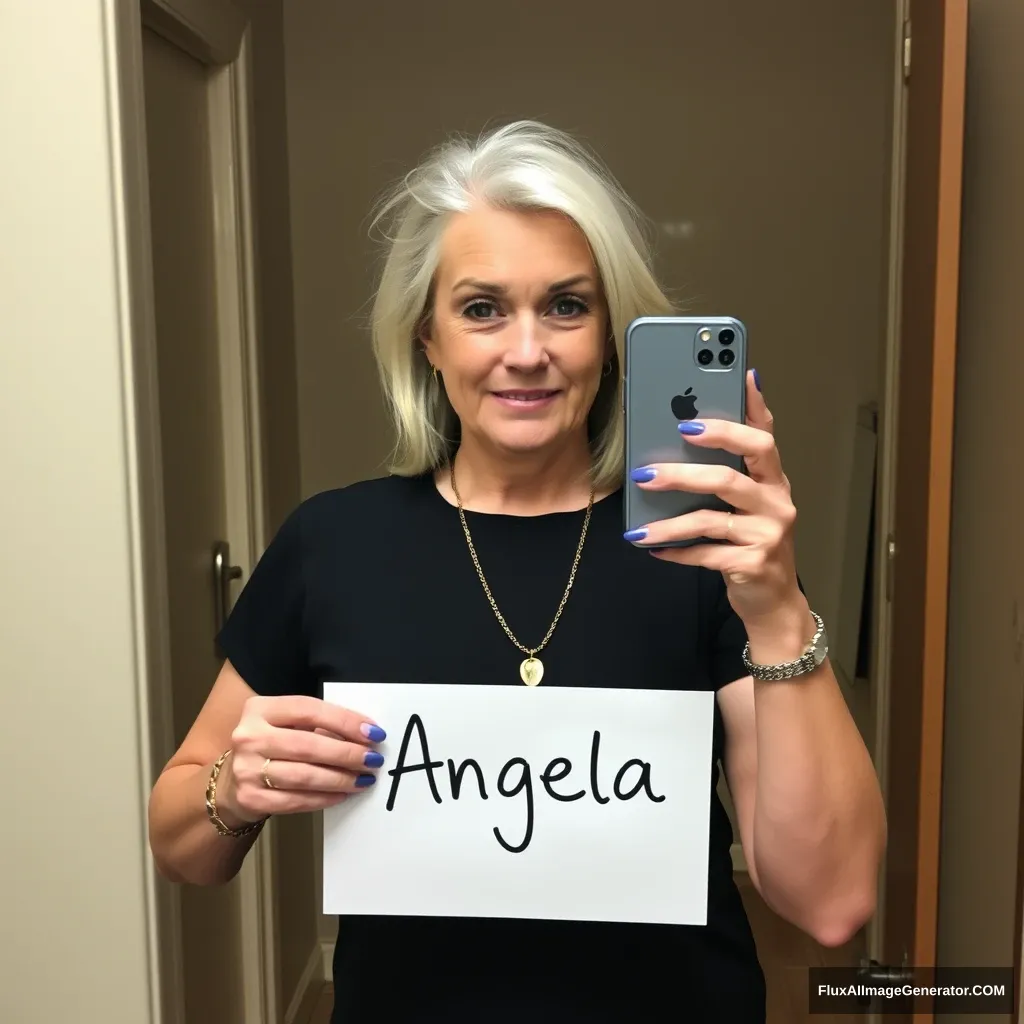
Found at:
<point>192,442</point>
<point>920,559</point>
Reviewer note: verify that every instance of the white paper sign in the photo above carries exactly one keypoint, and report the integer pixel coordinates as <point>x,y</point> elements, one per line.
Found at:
<point>596,809</point>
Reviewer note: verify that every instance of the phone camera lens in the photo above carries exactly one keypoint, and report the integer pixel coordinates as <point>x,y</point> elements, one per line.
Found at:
<point>727,337</point>
<point>726,357</point>
<point>704,356</point>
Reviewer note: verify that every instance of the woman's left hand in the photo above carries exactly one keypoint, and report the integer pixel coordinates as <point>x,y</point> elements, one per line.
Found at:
<point>757,558</point>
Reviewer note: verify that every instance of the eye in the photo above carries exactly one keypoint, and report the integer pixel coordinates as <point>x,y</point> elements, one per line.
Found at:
<point>481,309</point>
<point>569,306</point>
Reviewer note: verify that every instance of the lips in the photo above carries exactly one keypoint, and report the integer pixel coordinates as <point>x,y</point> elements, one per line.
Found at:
<point>524,395</point>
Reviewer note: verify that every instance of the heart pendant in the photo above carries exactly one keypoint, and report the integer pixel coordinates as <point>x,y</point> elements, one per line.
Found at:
<point>532,671</point>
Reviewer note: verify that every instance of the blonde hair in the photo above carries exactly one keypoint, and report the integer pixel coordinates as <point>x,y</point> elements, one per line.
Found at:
<point>525,166</point>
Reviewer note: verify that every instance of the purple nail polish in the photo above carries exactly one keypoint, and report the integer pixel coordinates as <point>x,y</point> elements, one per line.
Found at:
<point>366,780</point>
<point>757,379</point>
<point>374,733</point>
<point>635,535</point>
<point>643,475</point>
<point>373,759</point>
<point>691,427</point>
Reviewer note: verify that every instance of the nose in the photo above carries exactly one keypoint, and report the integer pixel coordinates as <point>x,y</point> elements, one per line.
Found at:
<point>526,350</point>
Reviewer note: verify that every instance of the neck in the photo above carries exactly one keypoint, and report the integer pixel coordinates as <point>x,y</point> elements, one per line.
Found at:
<point>520,484</point>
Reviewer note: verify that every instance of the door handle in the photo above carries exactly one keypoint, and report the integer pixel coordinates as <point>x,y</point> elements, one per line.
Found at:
<point>223,573</point>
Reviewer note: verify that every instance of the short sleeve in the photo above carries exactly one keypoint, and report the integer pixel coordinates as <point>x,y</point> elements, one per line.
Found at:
<point>264,637</point>
<point>728,636</point>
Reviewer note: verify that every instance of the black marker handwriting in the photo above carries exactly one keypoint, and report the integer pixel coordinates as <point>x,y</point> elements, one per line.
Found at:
<point>515,778</point>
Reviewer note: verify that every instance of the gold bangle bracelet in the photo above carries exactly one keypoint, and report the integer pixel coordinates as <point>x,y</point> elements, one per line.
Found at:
<point>211,805</point>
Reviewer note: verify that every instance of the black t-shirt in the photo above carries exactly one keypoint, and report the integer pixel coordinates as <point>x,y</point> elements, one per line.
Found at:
<point>374,583</point>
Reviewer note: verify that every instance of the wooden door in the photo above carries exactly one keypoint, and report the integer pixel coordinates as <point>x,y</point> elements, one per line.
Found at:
<point>192,441</point>
<point>920,567</point>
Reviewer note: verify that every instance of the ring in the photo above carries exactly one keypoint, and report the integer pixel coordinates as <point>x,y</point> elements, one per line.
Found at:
<point>266,777</point>
<point>728,520</point>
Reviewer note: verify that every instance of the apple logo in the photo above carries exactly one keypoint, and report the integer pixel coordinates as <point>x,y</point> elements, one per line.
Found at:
<point>684,406</point>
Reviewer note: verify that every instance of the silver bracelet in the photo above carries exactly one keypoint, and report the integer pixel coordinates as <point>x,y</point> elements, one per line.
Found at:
<point>814,654</point>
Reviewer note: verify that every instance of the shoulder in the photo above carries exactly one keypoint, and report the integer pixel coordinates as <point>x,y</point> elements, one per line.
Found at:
<point>363,504</point>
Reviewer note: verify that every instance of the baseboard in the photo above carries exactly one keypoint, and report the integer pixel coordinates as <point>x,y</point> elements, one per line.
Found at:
<point>307,992</point>
<point>327,953</point>
<point>739,862</point>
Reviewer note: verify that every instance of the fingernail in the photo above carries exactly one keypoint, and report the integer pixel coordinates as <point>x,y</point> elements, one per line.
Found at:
<point>637,534</point>
<point>374,733</point>
<point>643,475</point>
<point>691,427</point>
<point>373,759</point>
<point>366,780</point>
<point>757,379</point>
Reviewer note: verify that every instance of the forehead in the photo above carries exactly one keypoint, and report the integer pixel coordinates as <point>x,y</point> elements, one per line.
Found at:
<point>505,246</point>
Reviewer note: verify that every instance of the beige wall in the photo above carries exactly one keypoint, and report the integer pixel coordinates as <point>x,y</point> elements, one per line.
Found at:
<point>295,914</point>
<point>984,704</point>
<point>708,115</point>
<point>74,928</point>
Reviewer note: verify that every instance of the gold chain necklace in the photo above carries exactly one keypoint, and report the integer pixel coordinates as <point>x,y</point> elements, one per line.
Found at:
<point>532,668</point>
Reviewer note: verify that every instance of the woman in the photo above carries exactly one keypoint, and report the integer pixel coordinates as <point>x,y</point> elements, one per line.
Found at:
<point>514,265</point>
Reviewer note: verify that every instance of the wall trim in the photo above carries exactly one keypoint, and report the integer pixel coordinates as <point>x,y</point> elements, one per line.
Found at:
<point>122,39</point>
<point>308,989</point>
<point>211,31</point>
<point>887,454</point>
<point>231,147</point>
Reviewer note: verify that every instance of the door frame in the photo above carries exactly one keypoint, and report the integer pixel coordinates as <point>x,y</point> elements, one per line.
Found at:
<point>888,442</point>
<point>217,34</point>
<point>934,204</point>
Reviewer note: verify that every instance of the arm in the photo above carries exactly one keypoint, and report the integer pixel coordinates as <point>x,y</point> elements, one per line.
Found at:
<point>318,754</point>
<point>809,805</point>
<point>807,799</point>
<point>186,847</point>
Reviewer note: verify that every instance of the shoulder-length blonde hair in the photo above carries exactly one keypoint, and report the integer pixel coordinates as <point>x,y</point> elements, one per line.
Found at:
<point>525,165</point>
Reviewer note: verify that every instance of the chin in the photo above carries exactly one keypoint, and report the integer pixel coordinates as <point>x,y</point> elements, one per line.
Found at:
<point>526,438</point>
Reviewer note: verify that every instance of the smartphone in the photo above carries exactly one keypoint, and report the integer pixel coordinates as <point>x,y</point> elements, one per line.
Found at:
<point>679,368</point>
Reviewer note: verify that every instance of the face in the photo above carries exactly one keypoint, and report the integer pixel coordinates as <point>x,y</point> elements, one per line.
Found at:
<point>519,331</point>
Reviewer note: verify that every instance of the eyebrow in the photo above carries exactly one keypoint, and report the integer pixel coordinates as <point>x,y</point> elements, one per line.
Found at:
<point>490,288</point>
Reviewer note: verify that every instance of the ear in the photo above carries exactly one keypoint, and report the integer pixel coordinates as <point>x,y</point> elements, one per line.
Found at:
<point>609,343</point>
<point>424,338</point>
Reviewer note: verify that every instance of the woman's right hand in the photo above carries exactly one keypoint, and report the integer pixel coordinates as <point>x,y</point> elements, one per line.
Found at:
<point>315,754</point>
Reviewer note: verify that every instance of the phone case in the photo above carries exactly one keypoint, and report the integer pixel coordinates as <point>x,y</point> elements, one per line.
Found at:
<point>666,382</point>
